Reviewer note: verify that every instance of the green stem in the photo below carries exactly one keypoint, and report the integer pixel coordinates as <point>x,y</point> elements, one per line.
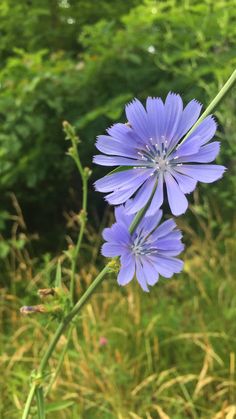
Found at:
<point>89,292</point>
<point>84,176</point>
<point>29,401</point>
<point>61,328</point>
<point>75,255</point>
<point>84,173</point>
<point>214,103</point>
<point>75,310</point>
<point>60,362</point>
<point>138,217</point>
<point>81,234</point>
<point>40,402</point>
<point>140,214</point>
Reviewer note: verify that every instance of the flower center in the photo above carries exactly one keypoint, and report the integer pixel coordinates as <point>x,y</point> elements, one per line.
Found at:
<point>138,245</point>
<point>155,155</point>
<point>141,245</point>
<point>161,163</point>
<point>138,249</point>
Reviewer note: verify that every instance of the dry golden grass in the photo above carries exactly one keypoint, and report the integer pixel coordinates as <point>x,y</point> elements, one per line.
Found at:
<point>167,354</point>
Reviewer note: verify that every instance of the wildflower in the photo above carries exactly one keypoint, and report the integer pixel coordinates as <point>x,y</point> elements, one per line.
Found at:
<point>103,341</point>
<point>149,147</point>
<point>148,252</point>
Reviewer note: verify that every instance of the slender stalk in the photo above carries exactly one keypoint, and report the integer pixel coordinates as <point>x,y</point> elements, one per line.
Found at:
<point>29,401</point>
<point>83,220</point>
<point>140,214</point>
<point>40,402</point>
<point>82,301</point>
<point>84,173</point>
<point>138,217</point>
<point>60,362</point>
<point>61,328</point>
<point>214,103</point>
<point>75,310</point>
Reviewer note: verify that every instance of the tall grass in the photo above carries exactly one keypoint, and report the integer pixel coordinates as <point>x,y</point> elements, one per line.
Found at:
<point>170,353</point>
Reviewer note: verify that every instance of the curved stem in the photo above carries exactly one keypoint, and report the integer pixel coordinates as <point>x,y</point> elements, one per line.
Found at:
<point>75,254</point>
<point>215,102</point>
<point>140,214</point>
<point>29,401</point>
<point>84,173</point>
<point>40,402</point>
<point>83,215</point>
<point>61,328</point>
<point>75,310</point>
<point>81,234</point>
<point>60,362</point>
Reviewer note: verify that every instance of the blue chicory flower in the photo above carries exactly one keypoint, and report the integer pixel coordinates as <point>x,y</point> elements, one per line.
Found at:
<point>148,252</point>
<point>149,148</point>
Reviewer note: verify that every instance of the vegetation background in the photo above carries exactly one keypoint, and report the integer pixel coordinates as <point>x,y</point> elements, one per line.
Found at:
<point>169,354</point>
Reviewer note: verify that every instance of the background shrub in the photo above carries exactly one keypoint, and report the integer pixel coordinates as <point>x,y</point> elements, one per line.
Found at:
<point>71,60</point>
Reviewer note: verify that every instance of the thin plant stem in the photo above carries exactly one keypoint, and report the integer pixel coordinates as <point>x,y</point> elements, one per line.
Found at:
<point>214,103</point>
<point>40,402</point>
<point>84,173</point>
<point>29,401</point>
<point>61,328</point>
<point>75,310</point>
<point>73,271</point>
<point>140,214</point>
<point>60,362</point>
<point>83,219</point>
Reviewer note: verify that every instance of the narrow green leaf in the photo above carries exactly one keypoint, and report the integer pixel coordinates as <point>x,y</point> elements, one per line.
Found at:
<point>58,283</point>
<point>40,403</point>
<point>53,407</point>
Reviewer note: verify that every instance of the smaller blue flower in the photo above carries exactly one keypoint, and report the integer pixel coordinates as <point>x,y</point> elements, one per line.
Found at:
<point>148,252</point>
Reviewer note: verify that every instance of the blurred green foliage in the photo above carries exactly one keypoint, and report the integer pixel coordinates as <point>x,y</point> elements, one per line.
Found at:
<point>82,61</point>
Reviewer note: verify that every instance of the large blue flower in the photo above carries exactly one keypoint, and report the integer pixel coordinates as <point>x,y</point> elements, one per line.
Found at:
<point>148,252</point>
<point>149,145</point>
